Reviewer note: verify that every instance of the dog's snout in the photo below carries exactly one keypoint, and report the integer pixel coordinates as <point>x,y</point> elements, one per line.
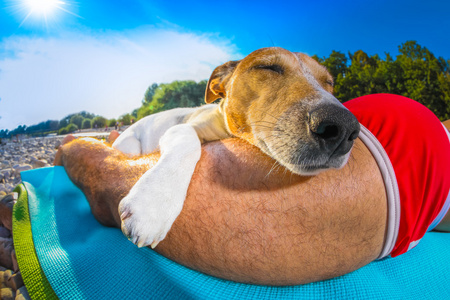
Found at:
<point>334,127</point>
<point>326,130</point>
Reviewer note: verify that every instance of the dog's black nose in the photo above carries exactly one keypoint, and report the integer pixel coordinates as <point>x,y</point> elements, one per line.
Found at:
<point>334,127</point>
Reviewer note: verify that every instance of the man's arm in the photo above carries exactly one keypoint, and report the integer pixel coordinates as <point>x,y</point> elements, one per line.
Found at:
<point>246,218</point>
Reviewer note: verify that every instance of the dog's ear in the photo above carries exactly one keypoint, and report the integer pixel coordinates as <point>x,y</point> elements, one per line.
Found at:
<point>216,87</point>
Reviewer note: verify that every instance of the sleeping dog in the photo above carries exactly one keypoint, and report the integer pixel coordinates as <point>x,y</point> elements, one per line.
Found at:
<point>277,100</point>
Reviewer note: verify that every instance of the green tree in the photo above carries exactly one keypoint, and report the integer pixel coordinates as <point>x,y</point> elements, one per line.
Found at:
<point>356,81</point>
<point>87,123</point>
<point>112,122</point>
<point>4,133</point>
<point>71,128</point>
<point>415,73</point>
<point>64,122</point>
<point>134,113</point>
<point>77,120</point>
<point>149,93</point>
<point>317,58</point>
<point>336,64</point>
<point>125,119</point>
<point>68,129</point>
<point>99,122</point>
<point>423,77</point>
<point>62,131</point>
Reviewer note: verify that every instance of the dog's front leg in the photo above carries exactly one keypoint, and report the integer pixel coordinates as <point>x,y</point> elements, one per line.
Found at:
<point>152,205</point>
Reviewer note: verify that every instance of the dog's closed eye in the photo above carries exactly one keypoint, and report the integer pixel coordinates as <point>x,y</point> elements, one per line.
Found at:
<point>274,68</point>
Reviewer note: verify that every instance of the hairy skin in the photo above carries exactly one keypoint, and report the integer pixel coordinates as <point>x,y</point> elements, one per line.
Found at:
<point>245,218</point>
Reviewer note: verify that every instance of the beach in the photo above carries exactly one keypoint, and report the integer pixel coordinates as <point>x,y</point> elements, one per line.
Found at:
<point>18,155</point>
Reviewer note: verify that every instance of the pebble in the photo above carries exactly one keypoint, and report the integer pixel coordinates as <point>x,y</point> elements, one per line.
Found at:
<point>4,277</point>
<point>15,158</point>
<point>21,168</point>
<point>4,233</point>
<point>15,281</point>
<point>6,249</point>
<point>39,163</point>
<point>7,294</point>
<point>6,173</point>
<point>22,294</point>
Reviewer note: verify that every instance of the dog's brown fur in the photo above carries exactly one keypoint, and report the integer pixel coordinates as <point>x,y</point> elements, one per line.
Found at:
<point>275,92</point>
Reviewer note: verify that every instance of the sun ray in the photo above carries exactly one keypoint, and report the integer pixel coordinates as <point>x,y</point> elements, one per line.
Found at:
<point>26,18</point>
<point>68,11</point>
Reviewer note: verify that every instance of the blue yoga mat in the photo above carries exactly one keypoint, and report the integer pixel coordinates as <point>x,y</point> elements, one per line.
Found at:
<point>82,259</point>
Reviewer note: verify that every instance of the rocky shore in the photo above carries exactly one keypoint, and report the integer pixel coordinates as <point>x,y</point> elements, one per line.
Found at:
<point>16,157</point>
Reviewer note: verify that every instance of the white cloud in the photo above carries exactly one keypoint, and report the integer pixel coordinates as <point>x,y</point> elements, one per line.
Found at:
<point>104,73</point>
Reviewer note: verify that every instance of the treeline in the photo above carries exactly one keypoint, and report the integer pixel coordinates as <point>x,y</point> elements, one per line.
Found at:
<point>69,124</point>
<point>167,96</point>
<point>415,73</point>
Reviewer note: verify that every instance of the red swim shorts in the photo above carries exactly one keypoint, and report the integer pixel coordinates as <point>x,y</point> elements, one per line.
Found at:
<point>412,149</point>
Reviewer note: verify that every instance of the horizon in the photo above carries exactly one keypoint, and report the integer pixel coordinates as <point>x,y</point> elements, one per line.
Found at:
<point>62,57</point>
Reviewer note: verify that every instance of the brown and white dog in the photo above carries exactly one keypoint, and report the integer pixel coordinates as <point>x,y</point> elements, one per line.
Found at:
<point>277,100</point>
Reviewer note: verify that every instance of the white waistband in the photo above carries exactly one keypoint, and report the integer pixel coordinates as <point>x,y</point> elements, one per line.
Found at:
<point>446,206</point>
<point>390,183</point>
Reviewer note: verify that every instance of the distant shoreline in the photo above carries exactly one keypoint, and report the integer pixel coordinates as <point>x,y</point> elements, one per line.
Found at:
<point>99,133</point>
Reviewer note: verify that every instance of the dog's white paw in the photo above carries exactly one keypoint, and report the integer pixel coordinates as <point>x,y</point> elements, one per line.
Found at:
<point>148,216</point>
<point>155,201</point>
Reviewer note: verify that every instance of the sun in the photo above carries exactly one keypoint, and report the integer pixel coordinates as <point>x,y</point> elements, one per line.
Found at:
<point>41,11</point>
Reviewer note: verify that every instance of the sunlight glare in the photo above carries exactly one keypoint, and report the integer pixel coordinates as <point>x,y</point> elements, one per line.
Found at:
<point>43,6</point>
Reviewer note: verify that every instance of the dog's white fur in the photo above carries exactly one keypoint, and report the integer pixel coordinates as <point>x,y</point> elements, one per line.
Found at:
<point>154,202</point>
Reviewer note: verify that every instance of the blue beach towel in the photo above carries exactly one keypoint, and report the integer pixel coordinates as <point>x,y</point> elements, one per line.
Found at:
<point>63,252</point>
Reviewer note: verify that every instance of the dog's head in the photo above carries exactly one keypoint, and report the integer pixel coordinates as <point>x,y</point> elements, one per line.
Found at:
<point>282,102</point>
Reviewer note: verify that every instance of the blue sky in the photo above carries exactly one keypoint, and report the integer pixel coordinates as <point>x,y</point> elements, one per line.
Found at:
<point>102,55</point>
